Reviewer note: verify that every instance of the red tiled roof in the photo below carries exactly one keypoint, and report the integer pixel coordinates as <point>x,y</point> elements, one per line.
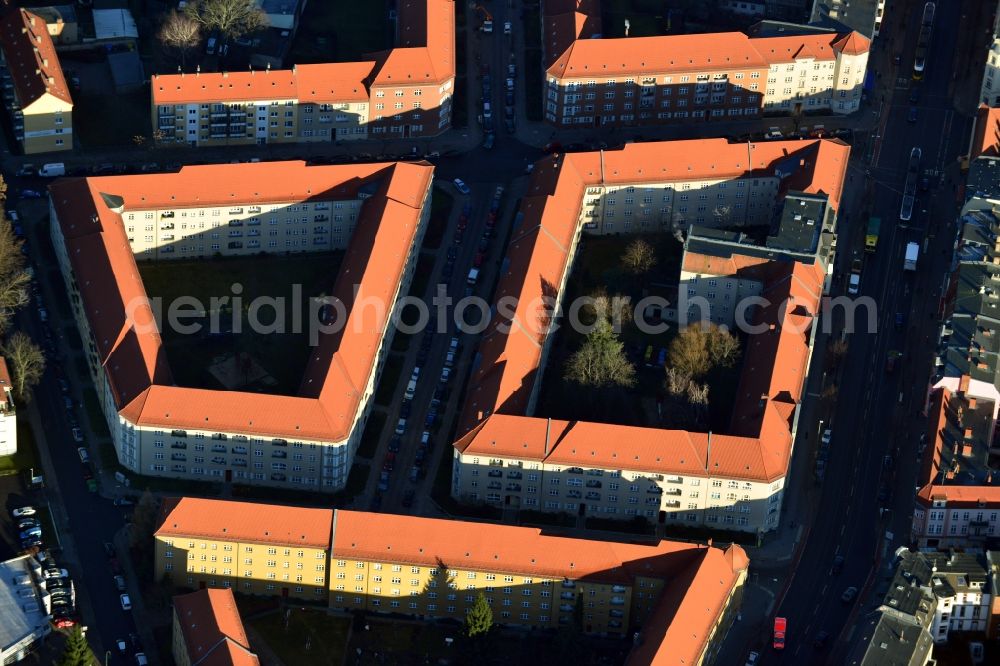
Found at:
<point>492,547</point>
<point>31,58</point>
<point>212,629</point>
<point>129,347</point>
<point>681,627</point>
<point>425,55</point>
<point>249,522</point>
<point>696,53</point>
<point>5,384</point>
<point>986,134</point>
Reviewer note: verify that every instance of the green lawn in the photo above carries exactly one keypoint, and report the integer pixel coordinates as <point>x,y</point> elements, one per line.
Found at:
<point>282,355</point>
<point>370,437</point>
<point>307,638</point>
<point>646,18</point>
<point>27,451</point>
<point>111,120</point>
<point>94,413</point>
<point>341,32</point>
<point>389,382</point>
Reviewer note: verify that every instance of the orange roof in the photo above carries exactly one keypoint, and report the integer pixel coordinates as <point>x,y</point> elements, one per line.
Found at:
<point>30,57</point>
<point>729,51</point>
<point>425,55</point>
<point>465,545</point>
<point>328,82</point>
<point>129,347</point>
<point>680,629</point>
<point>986,134</point>
<point>5,384</point>
<point>212,628</point>
<point>249,522</point>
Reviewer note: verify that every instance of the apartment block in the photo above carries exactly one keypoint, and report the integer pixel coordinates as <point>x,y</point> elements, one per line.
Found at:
<point>402,93</point>
<point>259,549</point>
<point>34,89</point>
<point>102,226</point>
<point>207,629</point>
<point>8,413</point>
<point>989,92</point>
<point>863,16</point>
<point>693,78</point>
<point>507,455</point>
<point>958,500</point>
<point>679,597</point>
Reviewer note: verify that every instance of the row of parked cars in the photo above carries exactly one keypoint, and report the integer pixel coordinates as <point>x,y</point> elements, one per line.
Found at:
<point>55,581</point>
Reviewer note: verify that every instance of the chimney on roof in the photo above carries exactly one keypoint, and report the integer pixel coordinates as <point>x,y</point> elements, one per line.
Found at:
<point>972,402</point>
<point>225,75</point>
<point>708,451</point>
<point>963,383</point>
<point>548,430</point>
<point>31,21</point>
<point>45,62</point>
<point>197,70</point>
<point>968,433</point>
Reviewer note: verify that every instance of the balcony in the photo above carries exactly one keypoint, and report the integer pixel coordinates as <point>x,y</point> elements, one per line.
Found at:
<point>514,487</point>
<point>219,435</point>
<point>592,483</point>
<point>618,588</point>
<point>235,211</point>
<point>496,462</point>
<point>253,210</point>
<point>672,504</point>
<point>569,584</point>
<point>278,477</point>
<point>179,445</point>
<point>614,612</point>
<point>178,456</point>
<point>218,460</point>
<point>574,494</point>
<point>167,227</point>
<point>566,608</point>
<point>494,485</point>
<point>514,475</point>
<point>617,601</point>
<point>495,473</point>
<point>240,450</point>
<point>673,491</point>
<point>321,218</point>
<point>656,490</point>
<point>568,595</point>
<point>593,496</point>
<point>279,442</point>
<point>574,470</point>
<point>279,454</point>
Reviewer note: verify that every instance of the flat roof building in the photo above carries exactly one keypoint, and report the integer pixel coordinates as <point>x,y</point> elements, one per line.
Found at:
<point>24,620</point>
<point>102,226</point>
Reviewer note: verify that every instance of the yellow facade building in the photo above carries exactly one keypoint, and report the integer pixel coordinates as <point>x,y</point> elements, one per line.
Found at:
<point>34,89</point>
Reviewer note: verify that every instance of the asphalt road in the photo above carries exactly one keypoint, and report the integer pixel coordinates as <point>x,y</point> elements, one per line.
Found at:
<point>876,413</point>
<point>92,520</point>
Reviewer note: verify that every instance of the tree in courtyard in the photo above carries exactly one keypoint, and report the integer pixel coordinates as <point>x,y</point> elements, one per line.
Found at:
<point>617,309</point>
<point>479,617</point>
<point>77,651</point>
<point>639,257</point>
<point>26,362</point>
<point>697,349</point>
<point>232,18</point>
<point>180,32</point>
<point>600,362</point>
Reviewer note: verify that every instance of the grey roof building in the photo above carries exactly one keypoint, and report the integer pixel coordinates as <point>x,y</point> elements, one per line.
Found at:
<point>24,620</point>
<point>865,16</point>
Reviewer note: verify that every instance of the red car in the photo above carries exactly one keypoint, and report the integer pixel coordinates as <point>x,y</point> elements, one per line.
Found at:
<point>64,623</point>
<point>478,261</point>
<point>780,626</point>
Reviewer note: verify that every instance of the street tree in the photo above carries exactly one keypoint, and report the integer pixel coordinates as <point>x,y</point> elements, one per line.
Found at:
<point>179,32</point>
<point>639,257</point>
<point>77,651</point>
<point>479,617</point>
<point>232,18</point>
<point>26,362</point>
<point>600,362</point>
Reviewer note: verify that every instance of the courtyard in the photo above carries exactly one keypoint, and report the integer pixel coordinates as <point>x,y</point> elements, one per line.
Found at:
<point>233,357</point>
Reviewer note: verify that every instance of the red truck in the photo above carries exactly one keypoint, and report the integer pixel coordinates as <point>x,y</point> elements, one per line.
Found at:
<point>780,624</point>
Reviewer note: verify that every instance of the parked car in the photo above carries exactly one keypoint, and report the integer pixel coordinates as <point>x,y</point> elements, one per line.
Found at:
<point>84,455</point>
<point>838,565</point>
<point>30,194</point>
<point>27,523</point>
<point>911,117</point>
<point>401,427</point>
<point>821,640</point>
<point>23,511</point>
<point>849,594</point>
<point>827,437</point>
<point>394,444</point>
<point>461,186</point>
<point>445,375</point>
<point>126,602</point>
<point>489,141</point>
<point>120,583</point>
<point>77,435</point>
<point>123,501</point>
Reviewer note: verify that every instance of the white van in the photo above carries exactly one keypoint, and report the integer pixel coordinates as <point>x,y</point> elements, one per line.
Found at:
<point>52,170</point>
<point>411,389</point>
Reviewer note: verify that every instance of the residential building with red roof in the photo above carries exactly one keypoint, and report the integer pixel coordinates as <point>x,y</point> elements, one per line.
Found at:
<point>401,93</point>
<point>39,101</point>
<point>376,213</point>
<point>989,92</point>
<point>681,597</point>
<point>985,133</point>
<point>508,455</point>
<point>8,413</point>
<point>693,78</point>
<point>208,630</point>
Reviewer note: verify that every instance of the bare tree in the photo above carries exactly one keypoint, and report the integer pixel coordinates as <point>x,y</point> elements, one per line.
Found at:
<point>179,32</point>
<point>639,257</point>
<point>232,18</point>
<point>697,349</point>
<point>723,347</point>
<point>27,363</point>
<point>723,215</point>
<point>14,279</point>
<point>617,309</point>
<point>677,382</point>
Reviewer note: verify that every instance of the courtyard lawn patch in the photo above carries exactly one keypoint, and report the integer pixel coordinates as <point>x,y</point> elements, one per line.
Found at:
<point>647,18</point>
<point>389,381</point>
<point>271,361</point>
<point>111,120</point>
<point>341,32</point>
<point>371,435</point>
<point>94,413</point>
<point>304,638</point>
<point>27,451</point>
